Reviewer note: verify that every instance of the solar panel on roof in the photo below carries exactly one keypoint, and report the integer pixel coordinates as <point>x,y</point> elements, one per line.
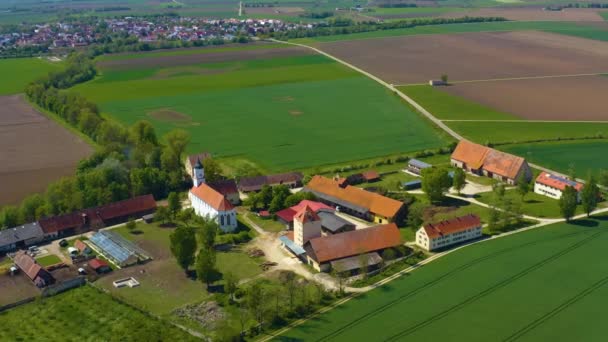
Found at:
<point>563,180</point>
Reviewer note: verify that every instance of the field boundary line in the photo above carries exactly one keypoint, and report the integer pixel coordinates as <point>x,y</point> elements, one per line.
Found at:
<point>523,121</point>
<point>390,87</point>
<point>512,79</point>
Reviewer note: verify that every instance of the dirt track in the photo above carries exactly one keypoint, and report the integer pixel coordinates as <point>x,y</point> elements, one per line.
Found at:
<point>206,56</point>
<point>472,56</point>
<point>35,150</point>
<point>566,98</point>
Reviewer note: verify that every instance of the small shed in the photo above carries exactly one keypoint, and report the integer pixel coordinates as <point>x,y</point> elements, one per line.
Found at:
<point>264,214</point>
<point>100,266</point>
<point>411,185</point>
<point>73,251</point>
<point>371,176</point>
<point>148,218</point>
<point>416,166</point>
<point>82,247</point>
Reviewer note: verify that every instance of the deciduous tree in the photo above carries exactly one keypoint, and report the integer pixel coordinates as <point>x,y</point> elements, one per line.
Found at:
<point>435,183</point>
<point>590,195</point>
<point>213,170</point>
<point>567,203</point>
<point>205,265</point>
<point>523,186</point>
<point>183,246</point>
<point>174,204</point>
<point>459,180</point>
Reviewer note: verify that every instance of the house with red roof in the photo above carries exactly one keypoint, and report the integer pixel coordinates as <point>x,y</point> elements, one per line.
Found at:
<point>485,161</point>
<point>552,185</point>
<point>37,274</point>
<point>449,232</point>
<point>208,202</point>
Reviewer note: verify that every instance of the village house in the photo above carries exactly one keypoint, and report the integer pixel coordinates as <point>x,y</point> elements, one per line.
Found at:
<point>227,188</point>
<point>486,161</point>
<point>193,159</point>
<point>342,252</point>
<point>449,232</point>
<point>292,180</point>
<point>330,222</point>
<point>37,274</point>
<point>551,185</point>
<point>210,203</point>
<point>355,201</point>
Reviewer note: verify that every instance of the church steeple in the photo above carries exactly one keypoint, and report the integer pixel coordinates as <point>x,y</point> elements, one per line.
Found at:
<point>199,173</point>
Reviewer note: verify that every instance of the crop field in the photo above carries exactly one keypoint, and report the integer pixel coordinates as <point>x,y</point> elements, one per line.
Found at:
<point>21,71</point>
<point>545,284</point>
<point>489,55</point>
<point>281,108</point>
<point>533,14</point>
<point>583,30</point>
<point>36,150</point>
<point>583,156</point>
<point>84,314</point>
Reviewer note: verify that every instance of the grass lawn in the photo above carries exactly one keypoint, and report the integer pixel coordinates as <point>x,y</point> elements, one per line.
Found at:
<point>446,106</point>
<point>239,264</point>
<point>545,284</point>
<point>268,225</point>
<point>525,131</point>
<point>281,113</point>
<point>555,27</point>
<point>584,156</point>
<point>48,260</point>
<point>18,72</point>
<point>84,314</point>
<point>533,204</point>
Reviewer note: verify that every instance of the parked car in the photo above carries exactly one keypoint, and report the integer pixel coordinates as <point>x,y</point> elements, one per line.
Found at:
<point>63,243</point>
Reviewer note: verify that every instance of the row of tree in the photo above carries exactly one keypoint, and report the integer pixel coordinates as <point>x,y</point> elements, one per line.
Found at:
<point>346,26</point>
<point>276,198</point>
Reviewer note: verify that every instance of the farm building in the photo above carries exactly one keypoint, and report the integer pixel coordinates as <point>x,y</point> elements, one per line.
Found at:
<point>358,178</point>
<point>435,83</point>
<point>82,247</point>
<point>355,201</point>
<point>99,266</point>
<point>330,222</point>
<point>291,179</point>
<point>40,276</point>
<point>411,185</point>
<point>551,185</point>
<point>209,203</point>
<point>117,249</point>
<point>97,217</point>
<point>449,232</point>
<point>227,188</point>
<point>486,161</point>
<point>416,166</point>
<point>20,237</point>
<point>341,251</point>
<point>192,160</point>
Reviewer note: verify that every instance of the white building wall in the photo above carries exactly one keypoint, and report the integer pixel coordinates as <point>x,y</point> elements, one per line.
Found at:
<point>225,219</point>
<point>443,241</point>
<point>548,191</point>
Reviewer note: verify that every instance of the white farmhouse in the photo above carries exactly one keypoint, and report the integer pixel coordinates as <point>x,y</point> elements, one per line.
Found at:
<point>208,202</point>
<point>551,185</point>
<point>449,232</point>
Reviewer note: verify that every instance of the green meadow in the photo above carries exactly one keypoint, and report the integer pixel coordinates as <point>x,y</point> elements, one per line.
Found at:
<point>567,28</point>
<point>18,72</point>
<point>445,106</point>
<point>546,284</point>
<point>281,113</point>
<point>584,156</point>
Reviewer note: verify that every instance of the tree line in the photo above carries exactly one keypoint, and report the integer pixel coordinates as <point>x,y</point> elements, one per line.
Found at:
<point>347,26</point>
<point>129,161</point>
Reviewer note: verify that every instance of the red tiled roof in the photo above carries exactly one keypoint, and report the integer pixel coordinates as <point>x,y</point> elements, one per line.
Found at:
<point>193,158</point>
<point>355,242</point>
<point>370,175</point>
<point>478,156</point>
<point>306,215</point>
<point>375,203</point>
<point>225,187</point>
<point>127,207</point>
<point>451,226</point>
<point>256,183</point>
<point>557,182</point>
<point>208,195</point>
<point>32,269</point>
<point>81,246</point>
<point>288,214</point>
<point>97,264</point>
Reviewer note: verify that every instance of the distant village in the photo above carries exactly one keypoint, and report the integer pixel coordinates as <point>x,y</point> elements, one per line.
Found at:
<point>74,34</point>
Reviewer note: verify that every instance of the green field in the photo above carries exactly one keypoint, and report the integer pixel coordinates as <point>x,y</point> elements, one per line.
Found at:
<point>282,113</point>
<point>566,28</point>
<point>546,284</point>
<point>583,156</point>
<point>533,204</point>
<point>84,314</point>
<point>18,72</point>
<point>445,106</point>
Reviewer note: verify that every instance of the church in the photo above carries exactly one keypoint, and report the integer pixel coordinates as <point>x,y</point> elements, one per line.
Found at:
<point>207,202</point>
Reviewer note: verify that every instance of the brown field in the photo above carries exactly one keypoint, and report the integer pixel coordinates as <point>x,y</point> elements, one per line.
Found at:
<point>274,10</point>
<point>35,150</point>
<point>564,98</point>
<point>206,56</point>
<point>473,56</point>
<point>16,288</point>
<point>532,14</point>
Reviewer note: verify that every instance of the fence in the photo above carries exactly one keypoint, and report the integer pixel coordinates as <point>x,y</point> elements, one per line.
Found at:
<point>15,304</point>
<point>63,286</point>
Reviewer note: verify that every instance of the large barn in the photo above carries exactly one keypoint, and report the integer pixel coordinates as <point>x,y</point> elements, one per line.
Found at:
<point>485,161</point>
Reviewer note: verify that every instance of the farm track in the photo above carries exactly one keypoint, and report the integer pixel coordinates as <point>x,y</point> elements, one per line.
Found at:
<point>438,280</point>
<point>513,78</point>
<point>495,287</point>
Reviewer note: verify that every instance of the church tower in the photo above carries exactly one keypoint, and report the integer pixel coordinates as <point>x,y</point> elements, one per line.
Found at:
<point>306,226</point>
<point>199,174</point>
